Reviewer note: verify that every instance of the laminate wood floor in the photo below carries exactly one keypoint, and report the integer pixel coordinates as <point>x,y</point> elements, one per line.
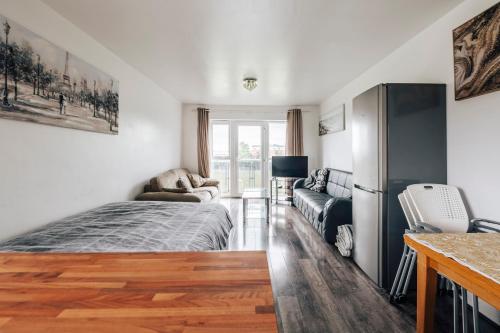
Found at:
<point>317,290</point>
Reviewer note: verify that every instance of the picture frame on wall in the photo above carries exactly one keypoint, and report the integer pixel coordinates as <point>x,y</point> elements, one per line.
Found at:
<point>45,84</point>
<point>332,121</point>
<point>476,54</point>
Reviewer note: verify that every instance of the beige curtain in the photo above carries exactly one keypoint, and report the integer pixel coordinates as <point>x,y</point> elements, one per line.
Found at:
<point>294,142</point>
<point>203,151</point>
<point>294,137</point>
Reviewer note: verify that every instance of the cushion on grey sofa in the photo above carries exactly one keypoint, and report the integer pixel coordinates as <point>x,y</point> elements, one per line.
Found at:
<point>311,180</point>
<point>320,181</point>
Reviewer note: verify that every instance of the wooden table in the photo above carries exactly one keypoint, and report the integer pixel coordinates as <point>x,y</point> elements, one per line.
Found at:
<point>469,273</point>
<point>188,292</point>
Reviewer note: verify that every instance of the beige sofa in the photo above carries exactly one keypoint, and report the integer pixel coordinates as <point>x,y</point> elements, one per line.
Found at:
<point>154,191</point>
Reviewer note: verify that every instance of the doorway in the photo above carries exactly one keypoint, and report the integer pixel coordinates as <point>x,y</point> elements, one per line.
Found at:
<point>241,153</point>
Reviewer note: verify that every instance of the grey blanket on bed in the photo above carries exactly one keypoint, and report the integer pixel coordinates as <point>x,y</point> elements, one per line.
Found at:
<point>132,226</point>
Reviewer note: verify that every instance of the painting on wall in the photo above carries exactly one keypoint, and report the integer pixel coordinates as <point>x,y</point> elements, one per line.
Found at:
<point>45,84</point>
<point>476,50</point>
<point>332,121</point>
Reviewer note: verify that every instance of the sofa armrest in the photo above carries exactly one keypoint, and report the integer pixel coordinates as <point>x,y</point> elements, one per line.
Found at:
<point>337,212</point>
<point>211,182</point>
<point>299,183</point>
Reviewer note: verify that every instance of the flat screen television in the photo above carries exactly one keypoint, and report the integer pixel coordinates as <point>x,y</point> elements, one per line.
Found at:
<point>289,166</point>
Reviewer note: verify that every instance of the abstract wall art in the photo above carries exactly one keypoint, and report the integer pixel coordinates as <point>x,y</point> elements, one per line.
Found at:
<point>476,51</point>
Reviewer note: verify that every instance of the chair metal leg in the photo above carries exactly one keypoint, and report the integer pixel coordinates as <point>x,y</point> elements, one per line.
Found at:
<point>475,313</point>
<point>404,273</point>
<point>442,284</point>
<point>410,271</point>
<point>392,294</point>
<point>465,318</point>
<point>456,323</point>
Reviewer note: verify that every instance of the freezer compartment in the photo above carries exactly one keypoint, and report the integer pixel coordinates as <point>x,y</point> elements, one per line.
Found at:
<point>367,215</point>
<point>369,139</point>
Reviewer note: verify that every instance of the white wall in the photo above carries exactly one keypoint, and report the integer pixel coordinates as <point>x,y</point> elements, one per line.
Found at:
<point>473,124</point>
<point>189,127</point>
<point>473,135</point>
<point>50,172</point>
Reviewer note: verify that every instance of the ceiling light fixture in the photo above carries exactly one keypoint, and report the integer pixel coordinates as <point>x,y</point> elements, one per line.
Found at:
<point>249,83</point>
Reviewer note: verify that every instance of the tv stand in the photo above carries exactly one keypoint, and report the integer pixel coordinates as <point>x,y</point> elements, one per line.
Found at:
<point>276,187</point>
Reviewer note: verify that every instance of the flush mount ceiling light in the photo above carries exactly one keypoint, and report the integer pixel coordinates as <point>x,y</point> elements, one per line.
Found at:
<point>249,83</point>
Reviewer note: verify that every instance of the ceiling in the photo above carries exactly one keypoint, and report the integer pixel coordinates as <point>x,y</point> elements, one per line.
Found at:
<point>301,51</point>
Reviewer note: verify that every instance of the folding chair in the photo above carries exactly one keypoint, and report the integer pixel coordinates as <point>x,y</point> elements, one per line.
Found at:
<point>406,265</point>
<point>437,208</point>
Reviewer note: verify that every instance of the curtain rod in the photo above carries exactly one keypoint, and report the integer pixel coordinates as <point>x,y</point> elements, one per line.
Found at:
<point>253,111</point>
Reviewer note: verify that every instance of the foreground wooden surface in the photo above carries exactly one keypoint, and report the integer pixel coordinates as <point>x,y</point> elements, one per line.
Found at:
<point>430,263</point>
<point>186,292</point>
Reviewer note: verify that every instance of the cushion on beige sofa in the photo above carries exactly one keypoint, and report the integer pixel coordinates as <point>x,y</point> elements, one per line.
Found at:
<point>169,196</point>
<point>169,178</point>
<point>214,191</point>
<point>184,183</point>
<point>196,180</point>
<point>178,190</point>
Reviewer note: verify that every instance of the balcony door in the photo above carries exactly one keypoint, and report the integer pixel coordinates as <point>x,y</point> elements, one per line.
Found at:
<point>250,156</point>
<point>241,153</point>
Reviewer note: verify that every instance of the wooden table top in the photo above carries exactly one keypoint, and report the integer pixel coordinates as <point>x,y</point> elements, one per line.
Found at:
<point>477,251</point>
<point>185,292</point>
<point>463,258</point>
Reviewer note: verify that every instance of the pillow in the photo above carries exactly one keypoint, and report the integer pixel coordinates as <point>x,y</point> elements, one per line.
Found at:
<point>309,181</point>
<point>178,190</point>
<point>211,182</point>
<point>184,182</point>
<point>320,182</point>
<point>196,180</point>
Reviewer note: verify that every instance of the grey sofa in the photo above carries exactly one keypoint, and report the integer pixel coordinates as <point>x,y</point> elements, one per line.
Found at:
<point>326,211</point>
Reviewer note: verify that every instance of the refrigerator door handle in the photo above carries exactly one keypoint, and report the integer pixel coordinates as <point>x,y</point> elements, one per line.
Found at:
<point>366,189</point>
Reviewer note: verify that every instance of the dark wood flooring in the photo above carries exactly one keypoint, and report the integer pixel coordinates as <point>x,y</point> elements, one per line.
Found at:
<point>315,288</point>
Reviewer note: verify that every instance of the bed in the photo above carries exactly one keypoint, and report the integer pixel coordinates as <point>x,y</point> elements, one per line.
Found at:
<point>132,226</point>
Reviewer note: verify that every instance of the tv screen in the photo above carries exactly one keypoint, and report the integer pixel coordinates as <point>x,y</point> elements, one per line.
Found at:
<point>289,166</point>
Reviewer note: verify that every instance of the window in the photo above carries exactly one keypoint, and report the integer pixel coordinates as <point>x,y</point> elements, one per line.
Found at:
<point>221,161</point>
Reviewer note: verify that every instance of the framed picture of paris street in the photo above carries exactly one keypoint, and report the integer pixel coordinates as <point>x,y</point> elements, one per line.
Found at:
<point>45,84</point>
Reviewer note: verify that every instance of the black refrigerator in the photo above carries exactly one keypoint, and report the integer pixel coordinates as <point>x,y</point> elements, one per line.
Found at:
<point>399,138</point>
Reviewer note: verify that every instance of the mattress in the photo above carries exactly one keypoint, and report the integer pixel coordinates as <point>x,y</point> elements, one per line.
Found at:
<point>132,226</point>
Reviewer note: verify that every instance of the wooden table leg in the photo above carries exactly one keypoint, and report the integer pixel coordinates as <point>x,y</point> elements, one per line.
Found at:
<point>426,294</point>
